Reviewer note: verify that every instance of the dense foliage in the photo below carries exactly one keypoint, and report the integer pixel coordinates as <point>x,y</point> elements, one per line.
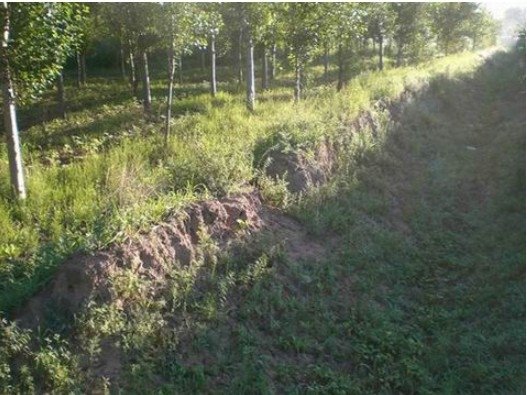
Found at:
<point>43,36</point>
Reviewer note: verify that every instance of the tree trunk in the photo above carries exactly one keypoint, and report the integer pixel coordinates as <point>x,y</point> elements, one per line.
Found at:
<point>251,95</point>
<point>83,65</point>
<point>133,72</point>
<point>340,83</point>
<point>298,85</point>
<point>265,70</point>
<point>273,62</point>
<point>14,152</point>
<point>123,60</point>
<point>145,76</point>
<point>79,69</point>
<point>240,59</point>
<point>202,51</point>
<point>180,68</point>
<point>381,53</point>
<point>60,96</point>
<point>399,55</point>
<point>326,62</point>
<point>44,117</point>
<point>388,47</point>
<point>213,65</point>
<point>171,72</point>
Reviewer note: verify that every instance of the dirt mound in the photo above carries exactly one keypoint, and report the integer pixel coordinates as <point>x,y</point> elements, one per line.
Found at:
<point>84,277</point>
<point>300,169</point>
<point>303,169</point>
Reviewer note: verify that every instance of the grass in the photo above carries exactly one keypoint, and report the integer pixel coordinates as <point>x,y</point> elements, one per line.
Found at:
<point>105,172</point>
<point>419,290</point>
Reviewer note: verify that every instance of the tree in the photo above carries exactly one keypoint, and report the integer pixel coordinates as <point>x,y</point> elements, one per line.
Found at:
<point>138,24</point>
<point>451,24</point>
<point>482,29</point>
<point>177,32</point>
<point>299,27</point>
<point>253,19</point>
<point>234,35</point>
<point>208,24</point>
<point>327,32</point>
<point>88,30</point>
<point>342,25</point>
<point>411,30</point>
<point>61,99</point>
<point>267,36</point>
<point>117,23</point>
<point>37,39</point>
<point>251,91</point>
<point>381,23</point>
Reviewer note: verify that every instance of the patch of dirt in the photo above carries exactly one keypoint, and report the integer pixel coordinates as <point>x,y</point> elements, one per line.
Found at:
<point>84,277</point>
<point>298,245</point>
<point>301,170</point>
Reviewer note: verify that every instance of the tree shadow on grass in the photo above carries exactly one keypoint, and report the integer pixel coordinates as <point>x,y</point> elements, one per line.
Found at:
<point>87,135</point>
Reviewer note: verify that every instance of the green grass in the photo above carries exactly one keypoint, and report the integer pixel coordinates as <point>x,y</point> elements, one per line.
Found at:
<point>105,172</point>
<point>433,233</point>
<point>420,290</point>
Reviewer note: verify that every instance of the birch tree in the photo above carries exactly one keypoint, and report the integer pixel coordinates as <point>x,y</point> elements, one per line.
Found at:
<point>258,21</point>
<point>138,24</point>
<point>208,24</point>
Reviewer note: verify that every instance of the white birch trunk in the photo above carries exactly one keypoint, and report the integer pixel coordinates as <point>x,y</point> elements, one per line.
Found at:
<point>251,95</point>
<point>14,151</point>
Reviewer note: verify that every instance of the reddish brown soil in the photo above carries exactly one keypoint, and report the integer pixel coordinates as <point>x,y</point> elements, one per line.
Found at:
<point>86,276</point>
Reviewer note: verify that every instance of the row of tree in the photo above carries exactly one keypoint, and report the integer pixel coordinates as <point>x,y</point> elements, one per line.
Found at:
<point>38,38</point>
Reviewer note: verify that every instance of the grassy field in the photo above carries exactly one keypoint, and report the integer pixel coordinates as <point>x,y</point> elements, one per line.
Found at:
<point>417,285</point>
<point>105,172</point>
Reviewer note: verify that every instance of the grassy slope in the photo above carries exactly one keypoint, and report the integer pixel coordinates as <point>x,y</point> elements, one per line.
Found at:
<point>421,289</point>
<point>105,172</point>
